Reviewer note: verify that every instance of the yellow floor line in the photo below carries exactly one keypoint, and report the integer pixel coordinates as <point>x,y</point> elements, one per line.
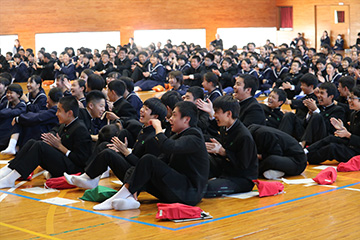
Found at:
<point>27,231</point>
<point>51,214</point>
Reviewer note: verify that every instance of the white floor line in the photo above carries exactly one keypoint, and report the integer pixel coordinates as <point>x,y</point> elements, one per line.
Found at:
<point>3,196</point>
<point>353,189</point>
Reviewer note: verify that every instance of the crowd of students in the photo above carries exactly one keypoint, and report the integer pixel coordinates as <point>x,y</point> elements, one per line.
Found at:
<point>206,137</point>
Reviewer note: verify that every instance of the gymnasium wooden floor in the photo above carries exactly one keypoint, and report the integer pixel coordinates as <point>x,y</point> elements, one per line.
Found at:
<point>302,212</point>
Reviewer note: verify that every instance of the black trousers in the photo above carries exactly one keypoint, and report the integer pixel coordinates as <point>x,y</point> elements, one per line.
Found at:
<point>105,158</point>
<point>331,148</point>
<point>37,153</point>
<point>309,131</point>
<point>137,74</point>
<point>219,184</point>
<point>157,178</point>
<point>286,164</point>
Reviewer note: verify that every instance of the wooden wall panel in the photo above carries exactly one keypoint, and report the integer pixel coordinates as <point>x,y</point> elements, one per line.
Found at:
<point>304,18</point>
<point>28,17</point>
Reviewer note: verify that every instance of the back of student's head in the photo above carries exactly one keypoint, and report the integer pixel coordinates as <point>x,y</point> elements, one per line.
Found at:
<point>88,72</point>
<point>7,76</point>
<point>281,93</point>
<point>196,91</point>
<point>309,79</point>
<point>115,75</point>
<point>95,82</point>
<point>94,96</point>
<point>250,82</point>
<point>227,103</point>
<point>330,89</point>
<point>188,109</point>
<point>356,91</point>
<point>61,77</point>
<point>70,103</point>
<point>177,75</point>
<point>55,94</point>
<point>171,98</point>
<point>348,82</point>
<point>118,87</point>
<point>15,88</point>
<point>156,107</point>
<point>129,83</point>
<point>4,81</point>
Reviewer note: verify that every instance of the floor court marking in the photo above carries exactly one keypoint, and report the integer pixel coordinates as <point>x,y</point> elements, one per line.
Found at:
<point>28,231</point>
<point>195,224</point>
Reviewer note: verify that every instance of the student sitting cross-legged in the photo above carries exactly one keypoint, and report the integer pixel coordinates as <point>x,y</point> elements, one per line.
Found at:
<point>117,156</point>
<point>233,159</point>
<point>64,149</point>
<point>179,175</point>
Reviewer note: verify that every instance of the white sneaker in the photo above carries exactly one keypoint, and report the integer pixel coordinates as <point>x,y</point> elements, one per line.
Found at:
<point>273,174</point>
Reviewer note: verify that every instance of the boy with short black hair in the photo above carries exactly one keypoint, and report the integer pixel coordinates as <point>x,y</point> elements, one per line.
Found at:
<point>64,149</point>
<point>272,111</point>
<point>4,83</point>
<point>233,159</point>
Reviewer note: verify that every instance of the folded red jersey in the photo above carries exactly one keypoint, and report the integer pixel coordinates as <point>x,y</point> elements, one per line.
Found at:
<point>177,211</point>
<point>351,166</point>
<point>269,188</point>
<point>59,183</point>
<point>326,176</point>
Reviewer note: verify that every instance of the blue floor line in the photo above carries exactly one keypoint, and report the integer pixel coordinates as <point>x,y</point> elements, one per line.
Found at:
<point>191,225</point>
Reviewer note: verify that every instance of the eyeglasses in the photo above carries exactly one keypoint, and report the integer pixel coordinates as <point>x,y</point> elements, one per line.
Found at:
<point>352,98</point>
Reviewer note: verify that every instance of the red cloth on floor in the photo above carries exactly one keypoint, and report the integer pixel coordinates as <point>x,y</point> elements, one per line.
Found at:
<point>351,166</point>
<point>59,183</point>
<point>177,211</point>
<point>326,176</point>
<point>269,188</point>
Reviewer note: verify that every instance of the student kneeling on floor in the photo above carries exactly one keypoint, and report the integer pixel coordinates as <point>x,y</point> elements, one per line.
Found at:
<point>178,175</point>
<point>233,159</point>
<point>64,149</point>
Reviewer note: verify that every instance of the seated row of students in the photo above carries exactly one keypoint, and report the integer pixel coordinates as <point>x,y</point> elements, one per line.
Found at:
<point>234,165</point>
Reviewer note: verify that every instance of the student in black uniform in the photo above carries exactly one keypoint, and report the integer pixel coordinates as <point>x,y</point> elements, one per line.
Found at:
<point>279,154</point>
<point>178,175</point>
<point>116,154</point>
<point>212,86</point>
<point>104,67</point>
<point>291,82</point>
<point>226,74</point>
<point>8,110</point>
<point>346,84</point>
<point>78,89</point>
<point>345,143</point>
<point>31,125</point>
<point>170,99</point>
<point>140,66</point>
<point>63,150</point>
<point>193,76</point>
<point>244,91</point>
<point>209,64</point>
<point>47,72</point>
<point>278,71</point>
<point>94,109</point>
<point>123,63</point>
<point>121,108</point>
<point>233,159</point>
<point>272,110</point>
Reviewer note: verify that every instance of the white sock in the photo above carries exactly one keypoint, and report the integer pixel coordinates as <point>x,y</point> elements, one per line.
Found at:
<point>125,204</point>
<point>106,174</point>
<point>47,175</point>
<point>5,171</point>
<point>85,183</point>
<point>69,178</point>
<point>11,149</point>
<point>9,180</point>
<point>306,151</point>
<point>123,193</point>
<point>273,174</point>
